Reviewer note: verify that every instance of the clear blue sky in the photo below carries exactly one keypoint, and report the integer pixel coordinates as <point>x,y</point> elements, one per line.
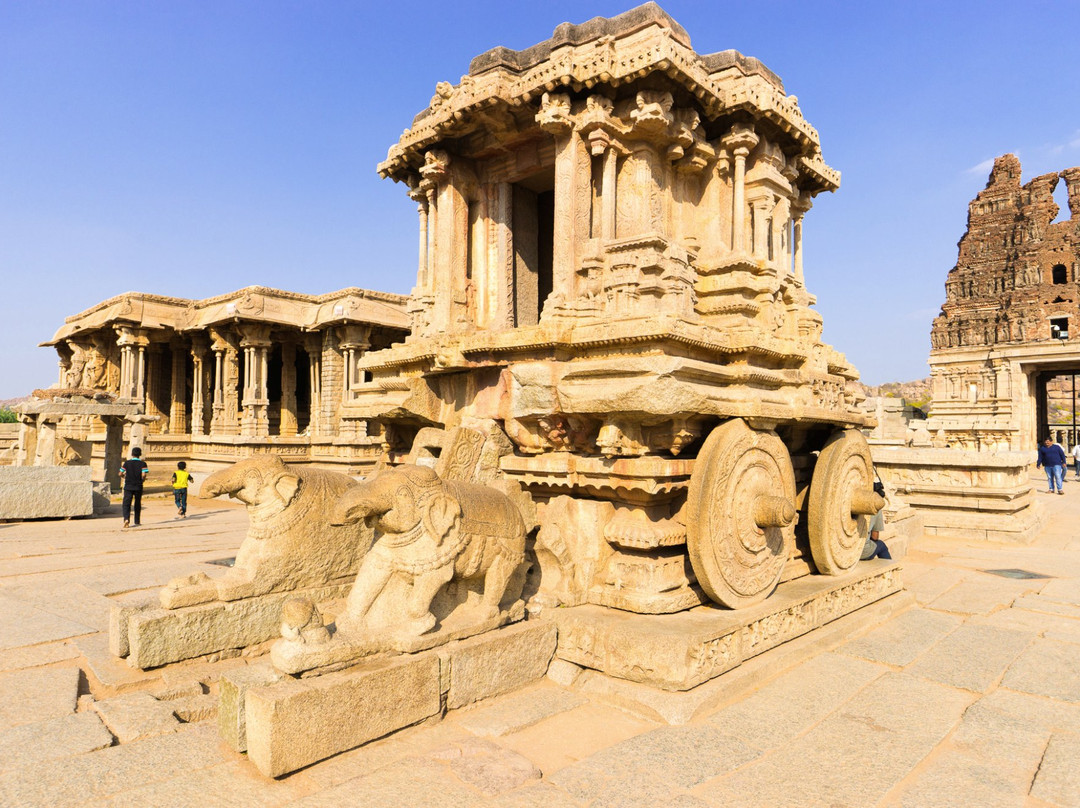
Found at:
<point>195,148</point>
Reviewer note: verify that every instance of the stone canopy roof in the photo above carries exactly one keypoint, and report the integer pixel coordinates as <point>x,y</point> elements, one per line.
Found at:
<point>252,304</point>
<point>609,53</point>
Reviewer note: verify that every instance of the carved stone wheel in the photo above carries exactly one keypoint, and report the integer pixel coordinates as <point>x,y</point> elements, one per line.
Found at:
<point>842,500</point>
<point>740,516</point>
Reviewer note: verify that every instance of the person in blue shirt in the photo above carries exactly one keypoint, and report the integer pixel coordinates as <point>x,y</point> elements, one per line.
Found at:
<point>1052,458</point>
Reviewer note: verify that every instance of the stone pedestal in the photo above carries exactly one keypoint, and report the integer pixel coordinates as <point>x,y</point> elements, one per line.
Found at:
<point>965,494</point>
<point>680,651</point>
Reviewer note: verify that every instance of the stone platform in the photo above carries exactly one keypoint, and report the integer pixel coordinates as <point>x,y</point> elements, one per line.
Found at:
<point>683,650</point>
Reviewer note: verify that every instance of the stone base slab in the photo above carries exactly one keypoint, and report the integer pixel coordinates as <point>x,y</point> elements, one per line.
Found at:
<point>45,492</point>
<point>680,651</point>
<point>159,636</point>
<point>681,707</point>
<point>293,722</point>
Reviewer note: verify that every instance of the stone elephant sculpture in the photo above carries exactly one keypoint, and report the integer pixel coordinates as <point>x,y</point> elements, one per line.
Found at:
<point>290,543</point>
<point>428,532</point>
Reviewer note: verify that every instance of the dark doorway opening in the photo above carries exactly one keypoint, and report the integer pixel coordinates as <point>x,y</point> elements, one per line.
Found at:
<point>533,236</point>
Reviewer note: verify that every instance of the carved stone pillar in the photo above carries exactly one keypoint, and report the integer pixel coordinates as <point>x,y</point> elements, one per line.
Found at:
<point>288,424</point>
<point>355,339</point>
<point>799,207</point>
<point>762,207</point>
<point>226,371</point>
<point>501,258</point>
<point>132,342</point>
<point>608,194</point>
<point>255,342</point>
<point>422,209</point>
<point>739,142</point>
<point>199,387</point>
<point>178,394</point>
<point>313,346</point>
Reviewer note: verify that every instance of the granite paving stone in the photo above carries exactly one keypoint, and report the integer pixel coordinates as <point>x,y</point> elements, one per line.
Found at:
<point>665,759</point>
<point>961,779</point>
<point>33,695</point>
<point>1048,668</point>
<point>935,583</point>
<point>487,767</point>
<point>107,772</point>
<point>55,738</point>
<point>413,782</point>
<point>1039,603</point>
<point>796,700</point>
<point>33,656</point>
<point>228,785</point>
<point>1063,590</point>
<point>519,710</point>
<point>137,715</point>
<point>904,638</point>
<point>972,657</point>
<point>980,595</point>
<point>1058,780</point>
<point>889,727</point>
<point>22,624</point>
<point>536,795</point>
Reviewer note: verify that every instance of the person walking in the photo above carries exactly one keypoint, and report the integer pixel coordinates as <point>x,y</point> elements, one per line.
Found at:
<point>133,473</point>
<point>1052,459</point>
<point>1076,460</point>
<point>180,481</point>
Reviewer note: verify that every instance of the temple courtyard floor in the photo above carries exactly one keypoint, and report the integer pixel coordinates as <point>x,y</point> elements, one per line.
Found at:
<point>967,696</point>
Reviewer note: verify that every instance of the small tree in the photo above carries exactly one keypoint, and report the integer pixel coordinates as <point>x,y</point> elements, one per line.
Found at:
<point>7,416</point>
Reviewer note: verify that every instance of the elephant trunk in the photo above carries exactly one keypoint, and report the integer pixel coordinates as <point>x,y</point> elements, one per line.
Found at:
<point>350,508</point>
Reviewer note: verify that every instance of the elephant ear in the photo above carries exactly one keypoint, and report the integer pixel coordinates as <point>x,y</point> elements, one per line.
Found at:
<point>286,486</point>
<point>441,516</point>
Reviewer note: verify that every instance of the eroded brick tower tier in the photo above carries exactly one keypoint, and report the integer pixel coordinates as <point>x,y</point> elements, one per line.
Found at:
<point>1011,307</point>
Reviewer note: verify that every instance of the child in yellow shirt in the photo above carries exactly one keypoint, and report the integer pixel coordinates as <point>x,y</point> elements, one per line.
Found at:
<point>180,480</point>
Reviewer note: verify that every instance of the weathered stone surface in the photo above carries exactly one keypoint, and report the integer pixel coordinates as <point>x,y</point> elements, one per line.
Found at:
<point>1058,780</point>
<point>296,722</point>
<point>111,671</point>
<point>519,710</point>
<point>233,687</point>
<point>33,656</point>
<point>197,708</point>
<point>25,745</point>
<point>536,795</point>
<point>487,767</point>
<point>228,785</point>
<point>93,777</point>
<point>45,492</point>
<point>413,781</point>
<point>786,707</point>
<point>159,636</point>
<point>1047,668</point>
<point>136,716</point>
<point>900,731</point>
<point>679,651</point>
<point>120,612</point>
<point>654,764</point>
<point>26,625</point>
<point>29,696</point>
<point>903,638</point>
<point>971,657</point>
<point>980,596</point>
<point>563,673</point>
<point>497,662</point>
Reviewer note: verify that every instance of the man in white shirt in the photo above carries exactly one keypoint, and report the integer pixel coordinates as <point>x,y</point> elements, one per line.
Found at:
<point>1076,460</point>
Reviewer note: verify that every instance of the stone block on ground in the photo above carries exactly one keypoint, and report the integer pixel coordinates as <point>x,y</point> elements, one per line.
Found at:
<point>160,636</point>
<point>45,492</point>
<point>33,656</point>
<point>972,657</point>
<point>232,691</point>
<point>52,739</point>
<point>28,696</point>
<point>904,638</point>
<point>197,708</point>
<point>296,722</point>
<point>136,716</point>
<point>497,662</point>
<point>111,671</point>
<point>121,610</point>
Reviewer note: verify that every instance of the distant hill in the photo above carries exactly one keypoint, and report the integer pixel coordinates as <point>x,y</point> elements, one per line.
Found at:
<point>916,393</point>
<point>8,403</point>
